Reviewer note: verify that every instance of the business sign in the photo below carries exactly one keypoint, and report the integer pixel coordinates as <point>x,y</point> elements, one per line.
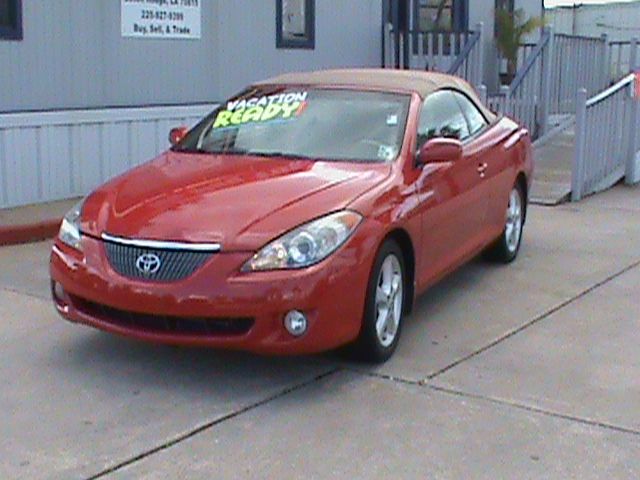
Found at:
<point>179,19</point>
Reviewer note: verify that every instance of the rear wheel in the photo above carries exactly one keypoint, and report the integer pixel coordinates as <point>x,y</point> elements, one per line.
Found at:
<point>382,321</point>
<point>507,246</point>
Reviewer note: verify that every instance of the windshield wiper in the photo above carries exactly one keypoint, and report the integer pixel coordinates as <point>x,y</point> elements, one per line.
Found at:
<point>279,154</point>
<point>211,152</point>
<point>188,150</point>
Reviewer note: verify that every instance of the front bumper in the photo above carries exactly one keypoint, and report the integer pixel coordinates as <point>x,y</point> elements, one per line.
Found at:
<point>331,294</point>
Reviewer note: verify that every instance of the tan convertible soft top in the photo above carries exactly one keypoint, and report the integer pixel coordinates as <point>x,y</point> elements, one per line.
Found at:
<point>422,83</point>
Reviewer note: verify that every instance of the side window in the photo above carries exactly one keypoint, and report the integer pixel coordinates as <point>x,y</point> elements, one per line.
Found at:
<point>475,119</point>
<point>441,117</point>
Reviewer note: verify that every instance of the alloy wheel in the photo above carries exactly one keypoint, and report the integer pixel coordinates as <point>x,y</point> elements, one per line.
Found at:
<point>513,226</point>
<point>389,300</point>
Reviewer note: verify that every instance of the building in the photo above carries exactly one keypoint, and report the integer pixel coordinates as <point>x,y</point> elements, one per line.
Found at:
<point>95,54</point>
<point>89,88</point>
<point>620,21</point>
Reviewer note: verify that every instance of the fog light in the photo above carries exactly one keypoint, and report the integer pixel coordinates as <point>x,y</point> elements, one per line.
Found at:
<point>295,322</point>
<point>58,292</point>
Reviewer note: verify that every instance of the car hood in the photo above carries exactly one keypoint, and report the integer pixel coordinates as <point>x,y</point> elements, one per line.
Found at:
<point>241,202</point>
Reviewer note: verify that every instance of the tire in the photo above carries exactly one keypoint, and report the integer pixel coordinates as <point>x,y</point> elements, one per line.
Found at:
<point>380,331</point>
<point>507,246</point>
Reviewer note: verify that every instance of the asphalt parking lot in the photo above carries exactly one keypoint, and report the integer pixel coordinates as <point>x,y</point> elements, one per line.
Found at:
<point>526,371</point>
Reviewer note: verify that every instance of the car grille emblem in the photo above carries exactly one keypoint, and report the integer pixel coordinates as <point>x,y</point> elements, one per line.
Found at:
<point>148,264</point>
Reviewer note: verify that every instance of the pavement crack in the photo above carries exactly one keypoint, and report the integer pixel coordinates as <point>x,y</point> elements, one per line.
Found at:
<point>206,426</point>
<point>532,409</point>
<point>494,400</point>
<point>384,376</point>
<point>533,321</point>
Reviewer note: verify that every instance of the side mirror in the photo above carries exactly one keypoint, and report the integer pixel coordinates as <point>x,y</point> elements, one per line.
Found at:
<point>177,134</point>
<point>440,150</point>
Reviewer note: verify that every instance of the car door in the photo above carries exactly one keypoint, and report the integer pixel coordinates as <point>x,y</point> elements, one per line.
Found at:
<point>489,147</point>
<point>489,163</point>
<point>451,203</point>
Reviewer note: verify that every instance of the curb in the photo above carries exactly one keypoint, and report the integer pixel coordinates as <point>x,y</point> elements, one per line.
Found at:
<point>26,233</point>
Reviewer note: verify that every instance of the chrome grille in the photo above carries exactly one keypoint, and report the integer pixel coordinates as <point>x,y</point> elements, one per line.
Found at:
<point>174,264</point>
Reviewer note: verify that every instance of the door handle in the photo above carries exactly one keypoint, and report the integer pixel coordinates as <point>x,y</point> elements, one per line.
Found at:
<point>482,168</point>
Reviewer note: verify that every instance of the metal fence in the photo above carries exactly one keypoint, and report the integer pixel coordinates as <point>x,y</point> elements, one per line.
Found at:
<point>47,156</point>
<point>524,51</point>
<point>618,59</point>
<point>577,62</point>
<point>458,54</point>
<point>526,99</point>
<point>606,139</point>
<point>550,73</point>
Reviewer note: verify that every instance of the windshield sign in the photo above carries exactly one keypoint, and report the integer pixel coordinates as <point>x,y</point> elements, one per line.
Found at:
<point>319,124</point>
<point>261,109</point>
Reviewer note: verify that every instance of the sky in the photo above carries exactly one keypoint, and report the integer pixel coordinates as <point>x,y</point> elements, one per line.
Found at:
<point>555,3</point>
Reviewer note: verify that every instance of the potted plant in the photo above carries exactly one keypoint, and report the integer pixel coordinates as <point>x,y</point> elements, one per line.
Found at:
<point>511,28</point>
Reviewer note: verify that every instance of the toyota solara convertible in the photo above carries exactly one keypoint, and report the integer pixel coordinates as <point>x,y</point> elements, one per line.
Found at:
<point>303,214</point>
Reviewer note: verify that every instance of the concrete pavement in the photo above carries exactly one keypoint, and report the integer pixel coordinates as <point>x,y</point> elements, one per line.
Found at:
<point>522,371</point>
<point>554,162</point>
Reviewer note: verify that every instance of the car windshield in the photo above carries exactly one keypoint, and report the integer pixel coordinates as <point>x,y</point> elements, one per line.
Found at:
<point>326,124</point>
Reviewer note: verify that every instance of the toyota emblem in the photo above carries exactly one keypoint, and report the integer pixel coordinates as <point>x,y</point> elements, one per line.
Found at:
<point>148,264</point>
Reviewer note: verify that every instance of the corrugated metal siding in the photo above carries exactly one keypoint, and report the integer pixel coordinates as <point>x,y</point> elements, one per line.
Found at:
<point>561,19</point>
<point>73,54</point>
<point>56,155</point>
<point>620,21</point>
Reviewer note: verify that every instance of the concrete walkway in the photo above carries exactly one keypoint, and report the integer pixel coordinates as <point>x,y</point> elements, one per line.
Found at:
<point>553,164</point>
<point>523,371</point>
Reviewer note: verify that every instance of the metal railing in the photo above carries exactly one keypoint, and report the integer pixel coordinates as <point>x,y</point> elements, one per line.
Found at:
<point>524,51</point>
<point>458,54</point>
<point>618,59</point>
<point>470,61</point>
<point>524,99</point>
<point>577,62</point>
<point>606,139</point>
<point>548,76</point>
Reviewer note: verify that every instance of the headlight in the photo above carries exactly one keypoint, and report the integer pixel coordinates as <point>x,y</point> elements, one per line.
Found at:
<point>307,244</point>
<point>70,228</point>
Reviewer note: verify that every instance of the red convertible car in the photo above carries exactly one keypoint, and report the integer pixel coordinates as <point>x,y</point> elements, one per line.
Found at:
<point>303,214</point>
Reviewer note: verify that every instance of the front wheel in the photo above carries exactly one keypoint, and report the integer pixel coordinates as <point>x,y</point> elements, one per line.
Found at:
<point>382,321</point>
<point>507,246</point>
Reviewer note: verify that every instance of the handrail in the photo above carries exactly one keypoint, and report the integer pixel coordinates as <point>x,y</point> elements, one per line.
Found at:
<point>442,32</point>
<point>611,90</point>
<point>533,56</point>
<point>579,37</point>
<point>471,42</point>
